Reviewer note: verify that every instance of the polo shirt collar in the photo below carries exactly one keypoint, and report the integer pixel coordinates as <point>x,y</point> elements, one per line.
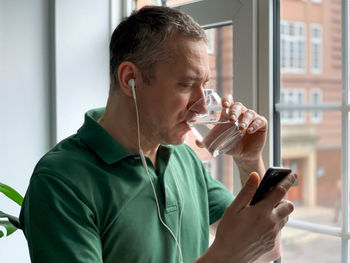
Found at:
<point>105,146</point>
<point>99,140</point>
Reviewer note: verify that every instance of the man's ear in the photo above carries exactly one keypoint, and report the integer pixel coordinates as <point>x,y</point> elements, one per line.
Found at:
<point>127,71</point>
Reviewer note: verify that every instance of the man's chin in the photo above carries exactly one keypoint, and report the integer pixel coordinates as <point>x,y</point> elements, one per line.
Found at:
<point>177,140</point>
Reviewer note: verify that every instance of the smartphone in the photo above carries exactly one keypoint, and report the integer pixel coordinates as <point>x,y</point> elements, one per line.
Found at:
<point>272,177</point>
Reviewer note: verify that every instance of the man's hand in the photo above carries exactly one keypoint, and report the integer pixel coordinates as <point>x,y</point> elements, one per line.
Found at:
<point>246,232</point>
<point>255,127</point>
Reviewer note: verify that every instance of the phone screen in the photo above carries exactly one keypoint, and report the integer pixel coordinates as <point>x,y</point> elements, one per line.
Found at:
<point>272,177</point>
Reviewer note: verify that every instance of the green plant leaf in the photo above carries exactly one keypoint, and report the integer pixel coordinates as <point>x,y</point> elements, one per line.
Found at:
<point>10,228</point>
<point>11,193</point>
<point>12,219</point>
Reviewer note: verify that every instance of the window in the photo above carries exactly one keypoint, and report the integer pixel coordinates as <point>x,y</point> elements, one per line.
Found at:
<point>316,48</point>
<point>293,97</point>
<point>316,99</point>
<point>317,148</point>
<point>292,47</point>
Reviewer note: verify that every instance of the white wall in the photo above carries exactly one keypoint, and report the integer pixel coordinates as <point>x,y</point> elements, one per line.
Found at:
<point>82,74</point>
<point>45,83</point>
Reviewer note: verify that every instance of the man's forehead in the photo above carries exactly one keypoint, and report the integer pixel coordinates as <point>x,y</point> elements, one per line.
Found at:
<point>193,77</point>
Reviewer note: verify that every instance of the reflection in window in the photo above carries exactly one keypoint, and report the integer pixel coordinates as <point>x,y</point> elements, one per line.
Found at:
<point>292,47</point>
<point>293,97</point>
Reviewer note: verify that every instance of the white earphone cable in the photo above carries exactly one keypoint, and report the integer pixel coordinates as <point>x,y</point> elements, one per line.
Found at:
<point>182,205</point>
<point>144,163</point>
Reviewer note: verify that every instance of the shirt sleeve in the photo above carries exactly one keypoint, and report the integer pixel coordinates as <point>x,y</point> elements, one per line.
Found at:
<point>219,197</point>
<point>58,225</point>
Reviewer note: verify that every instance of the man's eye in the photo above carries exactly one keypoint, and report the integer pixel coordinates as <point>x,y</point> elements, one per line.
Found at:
<point>186,85</point>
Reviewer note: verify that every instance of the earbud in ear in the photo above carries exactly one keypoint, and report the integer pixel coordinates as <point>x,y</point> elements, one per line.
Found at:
<point>131,83</point>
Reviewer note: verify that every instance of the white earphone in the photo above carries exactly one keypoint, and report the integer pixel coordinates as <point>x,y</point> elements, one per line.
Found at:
<point>131,83</point>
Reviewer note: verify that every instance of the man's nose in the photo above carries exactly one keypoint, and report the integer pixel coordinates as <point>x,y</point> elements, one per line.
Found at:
<point>199,104</point>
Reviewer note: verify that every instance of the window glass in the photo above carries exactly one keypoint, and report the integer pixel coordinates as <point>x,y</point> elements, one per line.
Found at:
<point>313,151</point>
<point>311,139</point>
<point>310,47</point>
<point>300,246</point>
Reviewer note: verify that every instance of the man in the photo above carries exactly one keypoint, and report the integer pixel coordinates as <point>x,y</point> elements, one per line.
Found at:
<point>126,189</point>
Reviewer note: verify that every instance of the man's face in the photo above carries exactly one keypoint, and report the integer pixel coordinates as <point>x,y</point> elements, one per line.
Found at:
<point>176,85</point>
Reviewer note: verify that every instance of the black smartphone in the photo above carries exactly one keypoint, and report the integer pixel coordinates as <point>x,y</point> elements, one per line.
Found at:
<point>272,177</point>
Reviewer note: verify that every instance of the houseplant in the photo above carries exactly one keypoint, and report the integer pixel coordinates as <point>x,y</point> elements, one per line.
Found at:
<point>11,223</point>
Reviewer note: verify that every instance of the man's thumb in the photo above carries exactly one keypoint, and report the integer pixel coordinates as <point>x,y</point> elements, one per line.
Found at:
<point>248,190</point>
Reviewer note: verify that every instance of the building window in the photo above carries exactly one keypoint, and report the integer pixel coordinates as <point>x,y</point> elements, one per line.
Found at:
<point>316,48</point>
<point>293,97</point>
<point>316,99</point>
<point>292,47</point>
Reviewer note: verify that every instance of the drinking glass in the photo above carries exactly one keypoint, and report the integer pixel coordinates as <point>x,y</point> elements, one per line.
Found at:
<point>211,124</point>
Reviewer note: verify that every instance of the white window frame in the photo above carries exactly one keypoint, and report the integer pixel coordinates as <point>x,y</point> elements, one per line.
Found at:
<point>316,41</point>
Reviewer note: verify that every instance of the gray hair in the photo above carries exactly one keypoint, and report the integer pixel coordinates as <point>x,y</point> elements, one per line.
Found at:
<point>141,39</point>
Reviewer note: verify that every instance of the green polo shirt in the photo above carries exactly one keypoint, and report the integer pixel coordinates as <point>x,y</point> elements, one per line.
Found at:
<point>90,200</point>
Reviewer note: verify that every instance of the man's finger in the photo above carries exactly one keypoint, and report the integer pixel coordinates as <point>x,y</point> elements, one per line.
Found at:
<point>279,191</point>
<point>227,101</point>
<point>259,123</point>
<point>283,209</point>
<point>236,110</point>
<point>247,192</point>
